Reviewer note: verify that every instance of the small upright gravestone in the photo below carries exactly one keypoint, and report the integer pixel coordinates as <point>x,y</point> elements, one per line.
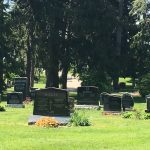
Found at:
<point>148,103</point>
<point>102,96</point>
<point>127,101</point>
<point>112,102</point>
<point>32,92</point>
<point>88,95</point>
<point>21,85</point>
<point>15,99</point>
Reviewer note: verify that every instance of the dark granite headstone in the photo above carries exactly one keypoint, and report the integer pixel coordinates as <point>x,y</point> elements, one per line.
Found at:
<point>102,96</point>
<point>21,85</point>
<point>88,95</point>
<point>148,103</point>
<point>32,92</point>
<point>112,102</point>
<point>51,102</point>
<point>15,98</point>
<point>127,101</point>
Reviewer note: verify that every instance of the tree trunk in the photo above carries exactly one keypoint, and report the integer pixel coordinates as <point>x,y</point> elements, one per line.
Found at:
<point>29,61</point>
<point>32,74</point>
<point>64,77</point>
<point>1,75</point>
<point>1,46</point>
<point>53,67</point>
<point>119,30</point>
<point>52,78</point>
<point>115,83</point>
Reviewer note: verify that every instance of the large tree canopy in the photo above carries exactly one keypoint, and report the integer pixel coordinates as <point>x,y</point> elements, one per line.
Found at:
<point>99,40</point>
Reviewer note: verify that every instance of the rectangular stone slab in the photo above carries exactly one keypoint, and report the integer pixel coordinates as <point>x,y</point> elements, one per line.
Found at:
<point>51,102</point>
<point>88,95</point>
<point>21,85</point>
<point>15,98</point>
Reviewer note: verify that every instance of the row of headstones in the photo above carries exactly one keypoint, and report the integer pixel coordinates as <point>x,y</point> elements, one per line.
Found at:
<point>89,95</point>
<point>52,101</point>
<point>20,91</point>
<point>112,102</point>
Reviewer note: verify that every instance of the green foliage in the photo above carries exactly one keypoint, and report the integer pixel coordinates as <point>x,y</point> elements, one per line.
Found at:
<point>146,116</point>
<point>96,78</point>
<point>79,120</point>
<point>134,115</point>
<point>138,115</point>
<point>144,85</point>
<point>2,108</point>
<point>127,115</point>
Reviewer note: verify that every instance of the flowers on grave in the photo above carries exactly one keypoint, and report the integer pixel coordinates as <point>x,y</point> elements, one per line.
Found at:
<point>47,122</point>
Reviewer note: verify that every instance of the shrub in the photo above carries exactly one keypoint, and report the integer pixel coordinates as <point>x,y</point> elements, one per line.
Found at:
<point>2,108</point>
<point>127,115</point>
<point>146,116</point>
<point>47,122</point>
<point>79,120</point>
<point>138,115</point>
<point>144,85</point>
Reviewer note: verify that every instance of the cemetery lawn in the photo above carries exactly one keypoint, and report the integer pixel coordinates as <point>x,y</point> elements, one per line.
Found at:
<point>106,132</point>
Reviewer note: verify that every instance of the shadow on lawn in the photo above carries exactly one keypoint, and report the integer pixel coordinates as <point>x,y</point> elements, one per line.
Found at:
<point>138,99</point>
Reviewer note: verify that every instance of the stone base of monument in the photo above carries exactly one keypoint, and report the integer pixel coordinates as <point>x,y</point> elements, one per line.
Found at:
<point>16,105</point>
<point>87,107</point>
<point>111,112</point>
<point>63,120</point>
<point>129,109</point>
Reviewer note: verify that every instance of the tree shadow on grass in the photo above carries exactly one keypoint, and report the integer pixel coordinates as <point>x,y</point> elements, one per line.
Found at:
<point>138,99</point>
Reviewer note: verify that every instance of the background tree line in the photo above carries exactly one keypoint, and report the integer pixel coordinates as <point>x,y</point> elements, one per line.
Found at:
<point>100,40</point>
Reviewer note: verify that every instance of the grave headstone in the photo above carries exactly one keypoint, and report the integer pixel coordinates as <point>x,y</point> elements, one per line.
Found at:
<point>21,85</point>
<point>102,96</point>
<point>148,103</point>
<point>88,95</point>
<point>51,102</point>
<point>112,102</point>
<point>32,92</point>
<point>127,101</point>
<point>15,99</point>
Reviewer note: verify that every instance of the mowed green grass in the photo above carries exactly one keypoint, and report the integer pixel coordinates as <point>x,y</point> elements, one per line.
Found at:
<point>106,132</point>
